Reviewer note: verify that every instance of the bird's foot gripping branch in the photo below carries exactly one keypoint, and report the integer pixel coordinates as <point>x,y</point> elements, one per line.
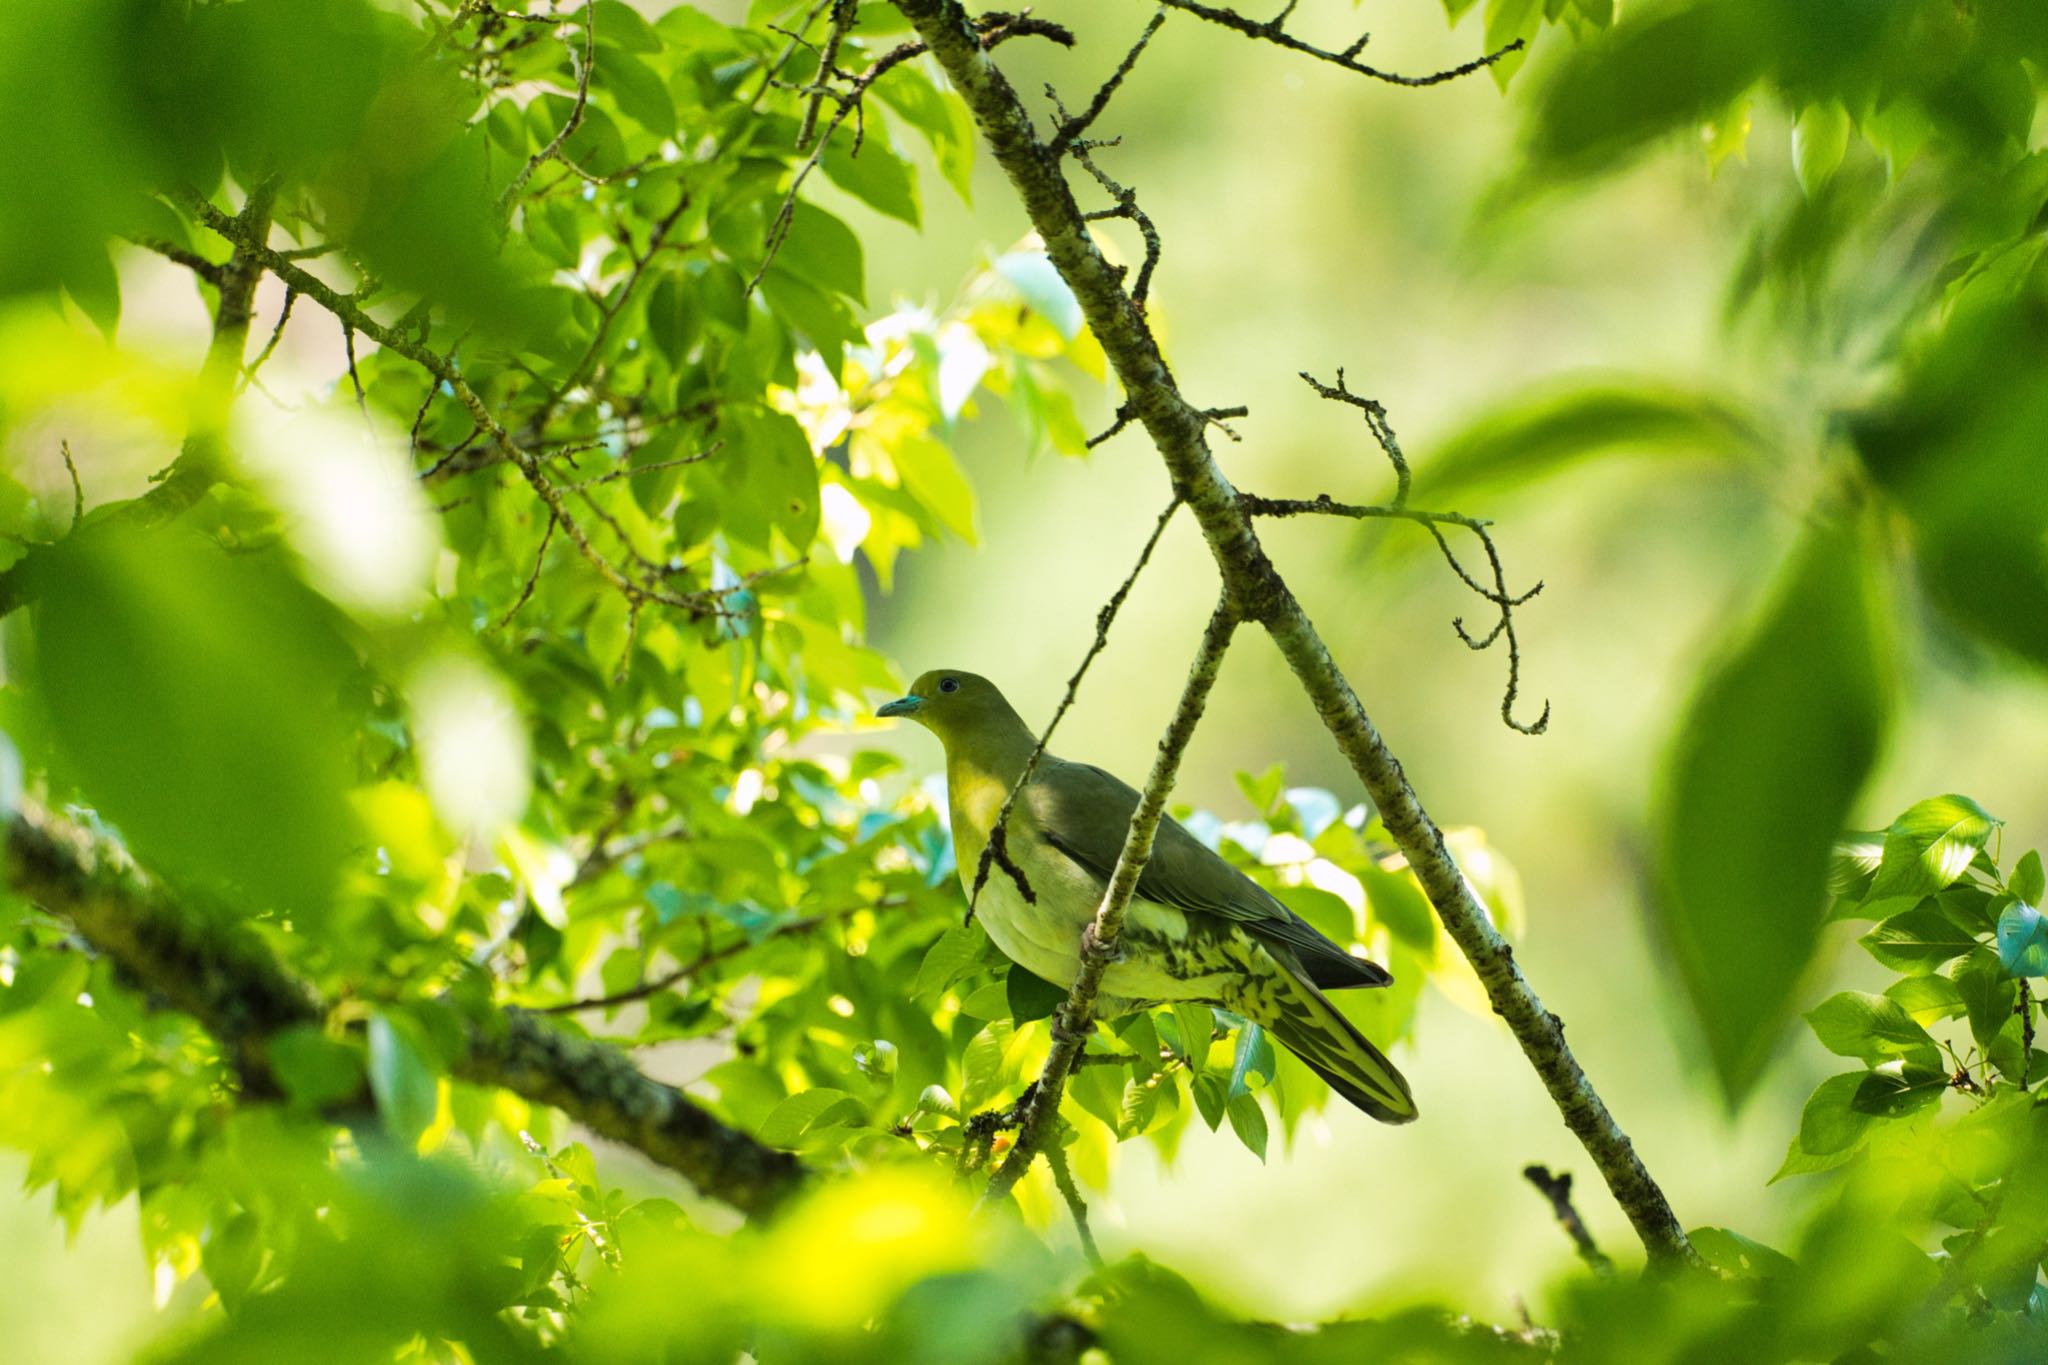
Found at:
<point>1254,592</point>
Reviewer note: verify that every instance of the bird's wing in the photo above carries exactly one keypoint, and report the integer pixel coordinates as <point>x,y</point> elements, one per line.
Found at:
<point>1085,812</point>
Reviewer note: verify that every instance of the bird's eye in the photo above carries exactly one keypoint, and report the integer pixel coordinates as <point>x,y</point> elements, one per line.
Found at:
<point>949,684</point>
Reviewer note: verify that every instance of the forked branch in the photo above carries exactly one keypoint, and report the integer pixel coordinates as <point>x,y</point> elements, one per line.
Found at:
<point>1255,592</point>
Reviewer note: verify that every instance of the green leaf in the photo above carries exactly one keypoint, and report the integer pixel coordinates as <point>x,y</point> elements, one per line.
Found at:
<point>1031,997</point>
<point>1248,1121</point>
<point>953,955</point>
<point>1212,1095</point>
<point>1731,1253</point>
<point>1819,140</point>
<point>1194,1025</point>
<point>1544,433</point>
<point>194,698</point>
<point>407,1090</point>
<point>981,1069</point>
<point>1957,447</point>
<point>809,1115</point>
<point>1508,21</point>
<point>1768,760</point>
<point>932,475</point>
<point>2023,941</point>
<point>315,1070</point>
<point>1039,284</point>
<point>1254,1058</point>
<point>824,251</point>
<point>945,123</point>
<point>1871,1028</point>
<point>877,177</point>
<point>1831,1121</point>
<point>620,23</point>
<point>639,94</point>
<point>1665,71</point>
<point>1918,941</point>
<point>1852,867</point>
<point>1927,998</point>
<point>2028,883</point>
<point>1988,994</point>
<point>777,479</point>
<point>1325,910</point>
<point>1931,845</point>
<point>1396,899</point>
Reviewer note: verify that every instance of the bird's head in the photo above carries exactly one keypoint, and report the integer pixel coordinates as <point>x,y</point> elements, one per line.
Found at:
<point>956,706</point>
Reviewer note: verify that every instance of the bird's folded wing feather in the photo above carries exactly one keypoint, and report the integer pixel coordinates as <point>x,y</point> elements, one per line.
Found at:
<point>1085,813</point>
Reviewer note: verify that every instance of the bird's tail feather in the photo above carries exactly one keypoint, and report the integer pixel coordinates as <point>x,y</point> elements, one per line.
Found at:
<point>1302,1019</point>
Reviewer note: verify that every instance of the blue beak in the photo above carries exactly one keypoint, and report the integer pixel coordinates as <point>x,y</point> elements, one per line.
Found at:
<point>902,706</point>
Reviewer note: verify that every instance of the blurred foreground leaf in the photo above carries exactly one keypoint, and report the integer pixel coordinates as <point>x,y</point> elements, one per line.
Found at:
<point>1768,759</point>
<point>195,698</point>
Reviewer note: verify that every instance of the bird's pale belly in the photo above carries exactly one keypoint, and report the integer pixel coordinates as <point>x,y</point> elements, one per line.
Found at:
<point>1159,961</point>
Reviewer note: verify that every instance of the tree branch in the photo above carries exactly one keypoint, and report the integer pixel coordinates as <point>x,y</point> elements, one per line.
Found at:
<point>1075,1019</point>
<point>1274,31</point>
<point>1558,1190</point>
<point>1256,592</point>
<point>231,982</point>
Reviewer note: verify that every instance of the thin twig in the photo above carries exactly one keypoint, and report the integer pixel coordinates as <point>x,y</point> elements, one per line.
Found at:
<point>348,346</point>
<point>284,315</point>
<point>1063,1180</point>
<point>569,124</point>
<point>608,313</point>
<point>1071,129</point>
<point>711,957</point>
<point>1558,1190</point>
<point>1271,31</point>
<point>533,579</point>
<point>843,14</point>
<point>1496,594</point>
<point>996,851</point>
<point>1376,422</point>
<point>211,271</point>
<point>1075,1018</point>
<point>992,29</point>
<point>652,466</point>
<point>77,488</point>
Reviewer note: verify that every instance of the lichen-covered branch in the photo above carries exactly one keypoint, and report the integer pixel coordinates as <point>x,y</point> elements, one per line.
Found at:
<point>1075,1019</point>
<point>229,980</point>
<point>1255,592</point>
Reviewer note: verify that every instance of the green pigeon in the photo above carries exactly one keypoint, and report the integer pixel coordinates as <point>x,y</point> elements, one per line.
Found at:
<point>1197,929</point>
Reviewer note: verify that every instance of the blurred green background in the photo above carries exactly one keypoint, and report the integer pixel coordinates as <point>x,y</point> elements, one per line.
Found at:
<point>1313,220</point>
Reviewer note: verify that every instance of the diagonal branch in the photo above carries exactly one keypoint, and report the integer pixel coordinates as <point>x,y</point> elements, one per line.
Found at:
<point>569,124</point>
<point>1274,31</point>
<point>232,982</point>
<point>1075,1019</point>
<point>1256,592</point>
